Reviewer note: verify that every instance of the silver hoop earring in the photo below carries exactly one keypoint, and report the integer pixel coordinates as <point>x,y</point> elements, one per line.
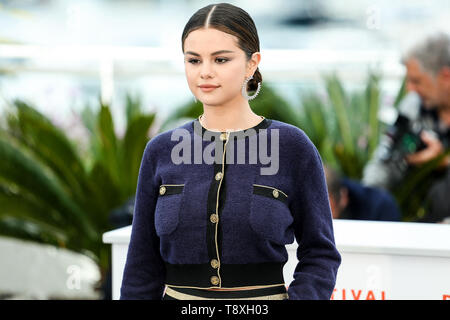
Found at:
<point>244,89</point>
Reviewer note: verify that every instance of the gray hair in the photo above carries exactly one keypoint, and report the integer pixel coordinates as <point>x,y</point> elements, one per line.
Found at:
<point>432,54</point>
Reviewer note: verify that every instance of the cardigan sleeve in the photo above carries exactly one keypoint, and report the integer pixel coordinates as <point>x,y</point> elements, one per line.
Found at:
<point>144,272</point>
<point>318,258</point>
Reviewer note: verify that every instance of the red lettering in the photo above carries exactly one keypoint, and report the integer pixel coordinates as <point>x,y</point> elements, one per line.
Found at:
<point>356,297</point>
<point>357,294</point>
<point>446,297</point>
<point>370,295</point>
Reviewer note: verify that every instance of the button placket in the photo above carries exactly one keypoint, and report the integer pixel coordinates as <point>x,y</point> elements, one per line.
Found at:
<point>214,218</point>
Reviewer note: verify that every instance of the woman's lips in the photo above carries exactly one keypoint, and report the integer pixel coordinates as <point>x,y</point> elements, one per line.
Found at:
<point>208,89</point>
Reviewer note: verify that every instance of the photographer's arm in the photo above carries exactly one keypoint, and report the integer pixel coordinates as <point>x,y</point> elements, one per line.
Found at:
<point>434,149</point>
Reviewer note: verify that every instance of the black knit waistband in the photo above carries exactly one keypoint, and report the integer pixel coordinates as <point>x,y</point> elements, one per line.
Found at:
<point>231,275</point>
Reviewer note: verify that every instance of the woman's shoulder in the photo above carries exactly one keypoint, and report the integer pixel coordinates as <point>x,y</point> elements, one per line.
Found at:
<point>291,136</point>
<point>166,139</point>
<point>159,147</point>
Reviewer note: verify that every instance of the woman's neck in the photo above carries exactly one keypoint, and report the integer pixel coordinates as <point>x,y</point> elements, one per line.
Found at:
<point>229,119</point>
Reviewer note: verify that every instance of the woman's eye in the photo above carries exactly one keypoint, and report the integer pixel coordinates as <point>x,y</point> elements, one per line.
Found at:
<point>220,60</point>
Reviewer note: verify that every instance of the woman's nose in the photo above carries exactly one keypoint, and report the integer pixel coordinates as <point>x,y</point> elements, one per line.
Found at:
<point>206,70</point>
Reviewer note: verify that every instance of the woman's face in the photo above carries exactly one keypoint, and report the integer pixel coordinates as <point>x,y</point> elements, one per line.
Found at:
<point>212,57</point>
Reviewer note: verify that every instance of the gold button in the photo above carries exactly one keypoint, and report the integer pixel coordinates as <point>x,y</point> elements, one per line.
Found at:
<point>214,263</point>
<point>223,136</point>
<point>275,193</point>
<point>218,175</point>
<point>162,190</point>
<point>215,280</point>
<point>214,218</point>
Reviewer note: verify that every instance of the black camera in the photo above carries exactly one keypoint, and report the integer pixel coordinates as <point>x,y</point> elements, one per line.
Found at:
<point>404,136</point>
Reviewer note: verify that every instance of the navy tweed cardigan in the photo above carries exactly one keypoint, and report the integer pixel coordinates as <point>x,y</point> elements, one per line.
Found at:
<point>224,224</point>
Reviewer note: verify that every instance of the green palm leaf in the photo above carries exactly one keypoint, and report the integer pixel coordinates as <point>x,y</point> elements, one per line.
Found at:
<point>109,155</point>
<point>373,104</point>
<point>339,102</point>
<point>51,146</point>
<point>27,173</point>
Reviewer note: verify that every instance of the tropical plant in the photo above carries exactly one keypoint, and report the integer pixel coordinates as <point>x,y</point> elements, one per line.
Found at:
<point>343,125</point>
<point>50,192</point>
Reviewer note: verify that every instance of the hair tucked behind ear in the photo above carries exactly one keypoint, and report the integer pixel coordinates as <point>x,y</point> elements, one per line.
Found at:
<point>232,20</point>
<point>253,84</point>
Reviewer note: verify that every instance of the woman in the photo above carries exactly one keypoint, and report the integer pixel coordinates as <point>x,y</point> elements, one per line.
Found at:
<point>217,229</point>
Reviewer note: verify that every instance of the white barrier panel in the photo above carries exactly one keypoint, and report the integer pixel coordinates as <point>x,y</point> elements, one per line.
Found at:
<point>380,260</point>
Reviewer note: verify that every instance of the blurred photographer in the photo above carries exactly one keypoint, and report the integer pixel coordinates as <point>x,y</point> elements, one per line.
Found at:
<point>421,132</point>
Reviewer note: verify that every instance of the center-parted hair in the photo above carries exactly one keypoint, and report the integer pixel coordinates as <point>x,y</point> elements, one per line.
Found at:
<point>232,20</point>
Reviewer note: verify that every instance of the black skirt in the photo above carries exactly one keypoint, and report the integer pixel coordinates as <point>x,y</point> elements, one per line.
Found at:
<point>278,292</point>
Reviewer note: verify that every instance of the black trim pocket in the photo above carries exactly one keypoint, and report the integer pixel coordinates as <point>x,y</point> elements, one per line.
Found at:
<point>270,192</point>
<point>168,208</point>
<point>168,189</point>
<point>270,216</point>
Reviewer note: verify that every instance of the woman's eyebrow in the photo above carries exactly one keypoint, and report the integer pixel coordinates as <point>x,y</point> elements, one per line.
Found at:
<point>212,54</point>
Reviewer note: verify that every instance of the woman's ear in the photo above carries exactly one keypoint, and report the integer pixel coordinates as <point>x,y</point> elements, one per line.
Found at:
<point>253,63</point>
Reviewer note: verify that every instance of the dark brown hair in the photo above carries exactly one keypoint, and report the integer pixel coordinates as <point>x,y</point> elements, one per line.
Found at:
<point>232,20</point>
